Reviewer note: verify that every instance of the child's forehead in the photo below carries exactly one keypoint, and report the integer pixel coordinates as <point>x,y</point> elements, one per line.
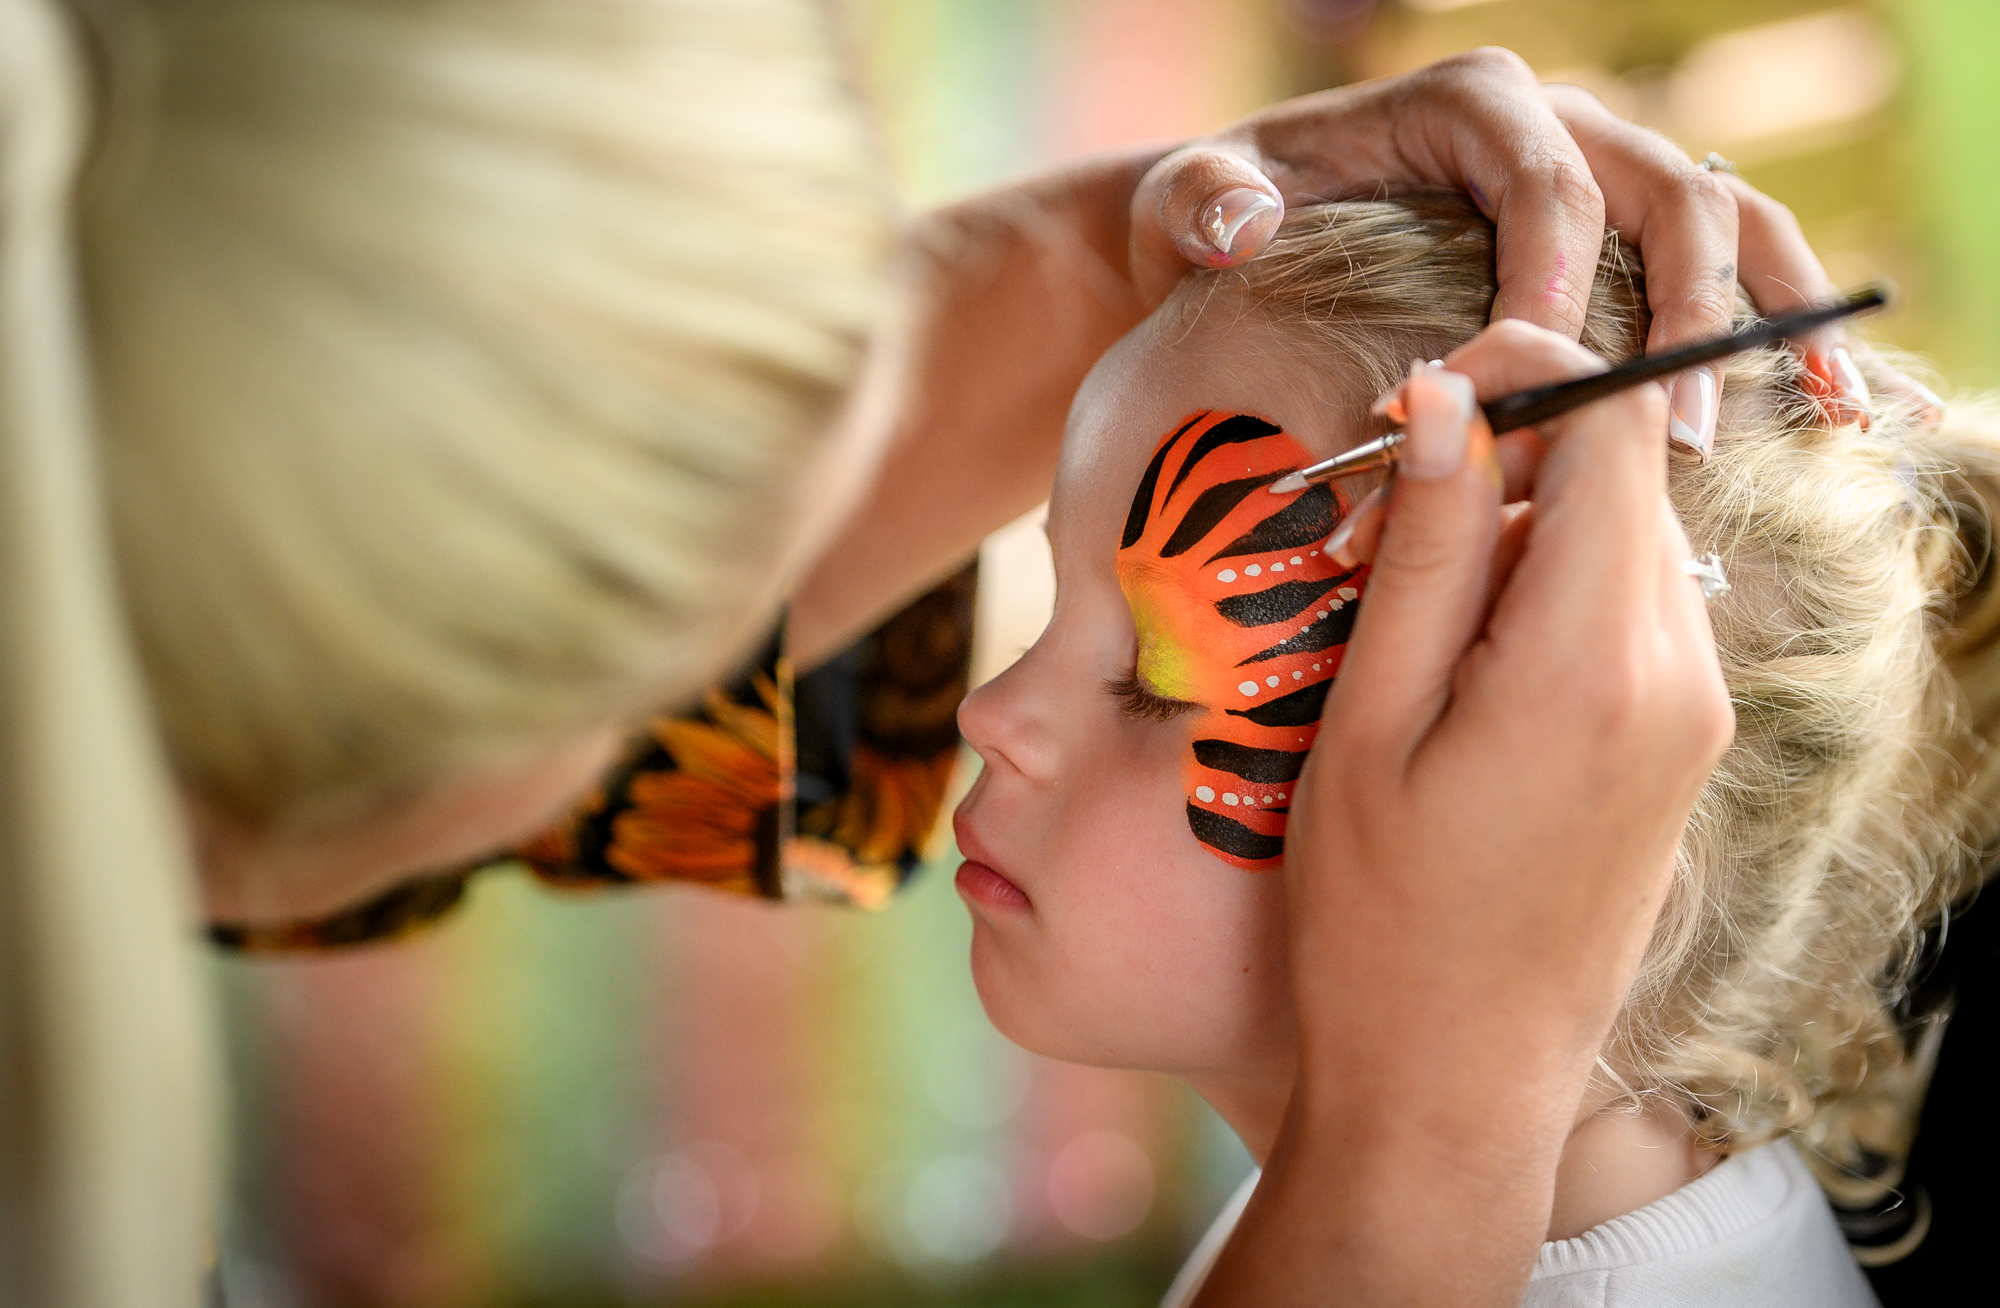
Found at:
<point>1149,384</point>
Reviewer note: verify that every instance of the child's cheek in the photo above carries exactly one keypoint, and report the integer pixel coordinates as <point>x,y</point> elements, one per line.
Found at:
<point>1250,622</point>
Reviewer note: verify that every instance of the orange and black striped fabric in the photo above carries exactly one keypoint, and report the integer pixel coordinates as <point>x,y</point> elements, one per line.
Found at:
<point>825,787</point>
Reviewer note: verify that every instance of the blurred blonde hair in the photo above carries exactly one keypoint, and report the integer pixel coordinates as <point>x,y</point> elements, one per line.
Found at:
<point>457,364</point>
<point>419,385</point>
<point>1858,799</point>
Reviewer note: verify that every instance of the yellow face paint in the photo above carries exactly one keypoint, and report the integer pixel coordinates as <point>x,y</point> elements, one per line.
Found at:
<point>1238,609</point>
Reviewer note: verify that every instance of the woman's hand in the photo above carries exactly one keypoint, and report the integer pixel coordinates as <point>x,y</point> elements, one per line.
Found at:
<point>1551,166</point>
<point>1480,842</point>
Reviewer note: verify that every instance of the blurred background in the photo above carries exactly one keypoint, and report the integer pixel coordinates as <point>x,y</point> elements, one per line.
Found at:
<point>674,1098</point>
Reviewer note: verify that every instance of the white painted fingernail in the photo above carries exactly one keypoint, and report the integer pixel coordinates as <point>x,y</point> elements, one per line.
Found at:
<point>1929,408</point>
<point>1231,212</point>
<point>1441,404</point>
<point>1692,411</point>
<point>1853,386</point>
<point>1336,544</point>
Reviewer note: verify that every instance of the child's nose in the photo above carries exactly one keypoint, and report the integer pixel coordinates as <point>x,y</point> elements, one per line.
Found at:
<point>1003,723</point>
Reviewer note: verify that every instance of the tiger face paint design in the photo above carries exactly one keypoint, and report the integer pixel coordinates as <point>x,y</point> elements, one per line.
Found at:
<point>1238,609</point>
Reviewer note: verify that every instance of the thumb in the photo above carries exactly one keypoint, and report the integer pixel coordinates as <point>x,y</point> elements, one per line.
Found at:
<point>1204,206</point>
<point>1428,588</point>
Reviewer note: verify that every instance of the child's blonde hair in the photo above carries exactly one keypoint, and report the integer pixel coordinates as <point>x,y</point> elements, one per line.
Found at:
<point>1857,801</point>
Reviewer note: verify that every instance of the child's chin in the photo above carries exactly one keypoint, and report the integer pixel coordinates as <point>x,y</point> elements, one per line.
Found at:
<point>1015,1003</point>
<point>996,989</point>
<point>1028,1011</point>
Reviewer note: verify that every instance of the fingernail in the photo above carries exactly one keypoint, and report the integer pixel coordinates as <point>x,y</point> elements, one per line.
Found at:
<point>1929,408</point>
<point>1853,386</point>
<point>1692,410</point>
<point>1441,404</point>
<point>1826,380</point>
<point>1336,544</point>
<point>1353,542</point>
<point>1390,404</point>
<point>1227,217</point>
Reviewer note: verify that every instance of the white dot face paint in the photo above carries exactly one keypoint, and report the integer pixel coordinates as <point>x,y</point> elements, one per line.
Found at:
<point>1298,676</point>
<point>1348,593</point>
<point>1296,560</point>
<point>1253,570</point>
<point>1315,667</point>
<point>1270,681</point>
<point>1226,575</point>
<point>1322,613</point>
<point>1281,794</point>
<point>1277,567</point>
<point>1248,688</point>
<point>1230,799</point>
<point>1204,794</point>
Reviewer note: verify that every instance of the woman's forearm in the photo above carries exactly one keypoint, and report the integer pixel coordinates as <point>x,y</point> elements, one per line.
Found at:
<point>1012,296</point>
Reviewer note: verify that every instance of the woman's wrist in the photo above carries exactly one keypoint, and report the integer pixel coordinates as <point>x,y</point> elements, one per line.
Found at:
<point>1439,1199</point>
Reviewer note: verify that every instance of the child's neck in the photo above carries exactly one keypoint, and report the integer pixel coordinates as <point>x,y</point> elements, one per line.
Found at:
<point>1616,1161</point>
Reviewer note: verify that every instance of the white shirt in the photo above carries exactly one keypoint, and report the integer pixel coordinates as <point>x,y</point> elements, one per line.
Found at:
<point>1754,1232</point>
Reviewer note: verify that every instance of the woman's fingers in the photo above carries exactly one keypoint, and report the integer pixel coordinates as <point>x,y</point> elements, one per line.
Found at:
<point>1595,487</point>
<point>1508,356</point>
<point>1427,593</point>
<point>1924,403</point>
<point>1778,269</point>
<point>1519,453</point>
<point>1681,217</point>
<point>1781,274</point>
<point>1354,542</point>
<point>1593,572</point>
<point>1702,232</point>
<point>1476,122</point>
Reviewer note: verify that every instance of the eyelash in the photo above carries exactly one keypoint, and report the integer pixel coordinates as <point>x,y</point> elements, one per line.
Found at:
<point>1136,701</point>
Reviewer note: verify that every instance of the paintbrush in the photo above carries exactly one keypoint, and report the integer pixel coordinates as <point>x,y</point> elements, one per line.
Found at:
<point>1526,408</point>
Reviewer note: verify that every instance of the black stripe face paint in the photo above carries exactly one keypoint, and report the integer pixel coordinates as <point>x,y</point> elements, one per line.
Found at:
<point>1229,837</point>
<point>1267,766</point>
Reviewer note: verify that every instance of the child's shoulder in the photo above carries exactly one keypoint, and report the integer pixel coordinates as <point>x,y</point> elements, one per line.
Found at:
<point>1755,1230</point>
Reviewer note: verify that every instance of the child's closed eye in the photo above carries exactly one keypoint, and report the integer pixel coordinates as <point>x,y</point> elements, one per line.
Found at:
<point>1137,700</point>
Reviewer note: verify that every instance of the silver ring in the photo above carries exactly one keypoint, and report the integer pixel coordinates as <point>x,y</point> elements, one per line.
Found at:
<point>1708,571</point>
<point>1715,163</point>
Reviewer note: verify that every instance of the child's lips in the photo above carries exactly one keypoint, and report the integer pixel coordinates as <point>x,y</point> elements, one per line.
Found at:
<point>978,879</point>
<point>982,884</point>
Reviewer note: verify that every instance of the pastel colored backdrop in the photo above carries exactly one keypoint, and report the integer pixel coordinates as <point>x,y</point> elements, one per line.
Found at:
<point>671,1098</point>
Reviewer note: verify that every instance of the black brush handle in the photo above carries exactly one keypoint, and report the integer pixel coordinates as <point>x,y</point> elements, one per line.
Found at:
<point>1526,408</point>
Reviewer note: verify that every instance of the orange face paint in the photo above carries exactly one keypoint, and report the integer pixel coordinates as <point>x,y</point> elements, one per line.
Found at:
<point>1238,609</point>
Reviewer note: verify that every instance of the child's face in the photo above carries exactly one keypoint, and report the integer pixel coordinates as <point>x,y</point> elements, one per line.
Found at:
<point>1140,758</point>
